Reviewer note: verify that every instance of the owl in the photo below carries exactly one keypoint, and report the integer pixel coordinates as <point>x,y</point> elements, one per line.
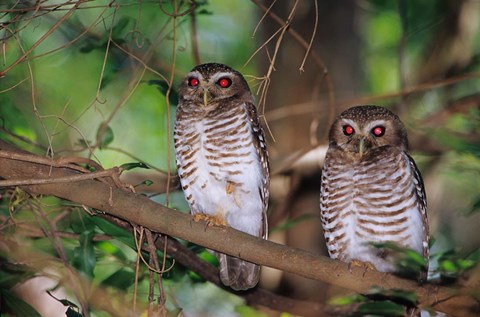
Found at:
<point>371,189</point>
<point>222,160</point>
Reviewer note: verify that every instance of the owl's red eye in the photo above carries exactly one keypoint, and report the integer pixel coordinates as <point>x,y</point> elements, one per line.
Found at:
<point>193,82</point>
<point>378,131</point>
<point>224,82</point>
<point>348,130</point>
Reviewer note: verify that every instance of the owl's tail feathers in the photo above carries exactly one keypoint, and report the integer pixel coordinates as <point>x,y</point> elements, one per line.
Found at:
<point>238,274</point>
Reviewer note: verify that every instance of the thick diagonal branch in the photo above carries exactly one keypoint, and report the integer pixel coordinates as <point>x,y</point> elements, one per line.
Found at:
<point>143,211</point>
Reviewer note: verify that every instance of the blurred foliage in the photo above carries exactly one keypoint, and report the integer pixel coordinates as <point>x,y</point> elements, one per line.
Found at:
<point>452,265</point>
<point>377,302</point>
<point>97,87</point>
<point>409,263</point>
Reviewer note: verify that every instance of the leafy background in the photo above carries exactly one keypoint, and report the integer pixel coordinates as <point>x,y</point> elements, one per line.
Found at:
<point>96,86</point>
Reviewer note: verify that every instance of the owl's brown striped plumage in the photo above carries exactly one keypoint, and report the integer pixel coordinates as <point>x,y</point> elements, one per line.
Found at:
<point>371,189</point>
<point>222,159</point>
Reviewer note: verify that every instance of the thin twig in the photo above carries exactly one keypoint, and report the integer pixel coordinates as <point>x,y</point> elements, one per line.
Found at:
<point>42,38</point>
<point>309,48</point>
<point>194,36</point>
<point>68,179</point>
<point>402,11</point>
<point>169,92</point>
<point>318,60</point>
<point>50,232</point>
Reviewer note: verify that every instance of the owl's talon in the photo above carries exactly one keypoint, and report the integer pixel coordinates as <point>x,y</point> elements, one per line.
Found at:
<point>210,220</point>
<point>366,265</point>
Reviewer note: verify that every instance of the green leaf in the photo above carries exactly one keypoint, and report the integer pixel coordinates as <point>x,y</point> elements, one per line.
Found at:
<point>208,257</point>
<point>247,311</point>
<point>448,266</point>
<point>398,295</point>
<point>205,12</point>
<point>475,207</point>
<point>117,31</point>
<point>405,296</point>
<point>162,86</point>
<point>431,242</point>
<point>474,256</point>
<point>104,135</point>
<point>84,258</point>
<point>174,312</point>
<point>452,264</point>
<point>111,229</point>
<point>121,279</point>
<point>129,166</point>
<point>88,47</point>
<point>64,301</point>
<point>17,305</point>
<point>415,257</point>
<point>384,308</point>
<point>146,182</point>
<point>346,300</point>
<point>111,248</point>
<point>409,263</point>
<point>115,231</point>
<point>80,221</point>
<point>72,313</point>
<point>84,144</point>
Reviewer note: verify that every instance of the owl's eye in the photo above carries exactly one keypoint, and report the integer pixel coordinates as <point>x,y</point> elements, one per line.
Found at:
<point>378,131</point>
<point>193,82</point>
<point>348,130</point>
<point>224,82</point>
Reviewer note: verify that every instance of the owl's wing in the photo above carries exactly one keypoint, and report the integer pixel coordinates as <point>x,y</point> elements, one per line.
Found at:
<point>422,200</point>
<point>422,197</point>
<point>260,144</point>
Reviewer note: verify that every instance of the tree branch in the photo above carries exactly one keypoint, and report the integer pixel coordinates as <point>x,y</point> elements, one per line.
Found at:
<point>143,211</point>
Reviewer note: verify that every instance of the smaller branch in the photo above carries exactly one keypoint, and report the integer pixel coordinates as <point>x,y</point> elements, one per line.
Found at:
<point>29,231</point>
<point>412,90</point>
<point>60,162</point>
<point>265,13</point>
<point>195,50</point>
<point>22,138</point>
<point>309,48</point>
<point>136,158</point>
<point>14,86</point>
<point>67,179</point>
<point>175,13</point>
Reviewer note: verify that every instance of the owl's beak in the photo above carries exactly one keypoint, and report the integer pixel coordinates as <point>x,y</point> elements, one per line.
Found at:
<point>206,97</point>
<point>361,146</point>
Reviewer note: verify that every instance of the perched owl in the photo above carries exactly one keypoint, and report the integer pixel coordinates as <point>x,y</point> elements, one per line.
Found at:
<point>222,159</point>
<point>371,189</point>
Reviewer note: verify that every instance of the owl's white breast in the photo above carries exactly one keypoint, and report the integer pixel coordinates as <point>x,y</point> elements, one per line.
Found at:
<point>370,201</point>
<point>227,170</point>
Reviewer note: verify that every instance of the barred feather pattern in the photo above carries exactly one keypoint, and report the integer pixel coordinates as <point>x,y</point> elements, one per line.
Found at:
<point>377,197</point>
<point>223,166</point>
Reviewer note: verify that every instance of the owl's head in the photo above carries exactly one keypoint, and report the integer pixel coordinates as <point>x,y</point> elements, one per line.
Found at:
<point>361,129</point>
<point>207,84</point>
